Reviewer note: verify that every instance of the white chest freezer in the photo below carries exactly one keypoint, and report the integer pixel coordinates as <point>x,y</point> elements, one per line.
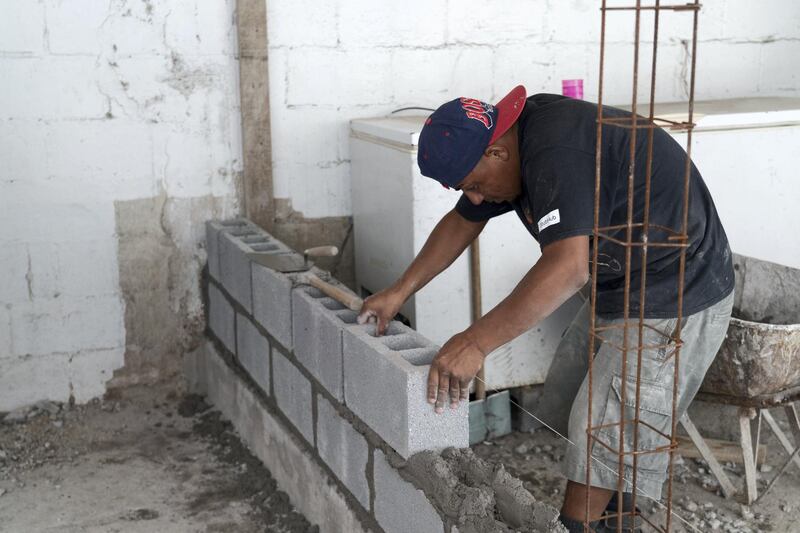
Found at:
<point>748,151</point>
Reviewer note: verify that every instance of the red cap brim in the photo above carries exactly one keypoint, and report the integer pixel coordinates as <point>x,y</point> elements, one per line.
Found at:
<point>508,111</point>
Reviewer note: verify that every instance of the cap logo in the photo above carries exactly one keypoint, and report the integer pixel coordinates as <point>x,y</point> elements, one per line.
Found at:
<point>477,110</point>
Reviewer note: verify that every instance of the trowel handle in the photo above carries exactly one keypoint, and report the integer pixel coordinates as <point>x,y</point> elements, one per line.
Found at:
<point>351,301</point>
<point>321,251</point>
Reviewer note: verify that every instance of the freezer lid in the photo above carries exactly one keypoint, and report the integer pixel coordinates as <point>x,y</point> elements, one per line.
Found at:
<point>403,130</point>
<point>731,114</point>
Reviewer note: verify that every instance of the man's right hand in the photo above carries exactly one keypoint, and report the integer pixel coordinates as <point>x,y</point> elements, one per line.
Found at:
<point>381,307</point>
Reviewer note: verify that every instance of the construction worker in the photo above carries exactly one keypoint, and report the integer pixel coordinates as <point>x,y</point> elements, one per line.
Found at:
<point>536,156</point>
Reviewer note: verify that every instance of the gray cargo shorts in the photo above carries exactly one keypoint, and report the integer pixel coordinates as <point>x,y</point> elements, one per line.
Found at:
<point>565,398</point>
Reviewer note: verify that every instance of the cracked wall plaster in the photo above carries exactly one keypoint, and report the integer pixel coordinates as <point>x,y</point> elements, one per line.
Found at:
<point>120,135</point>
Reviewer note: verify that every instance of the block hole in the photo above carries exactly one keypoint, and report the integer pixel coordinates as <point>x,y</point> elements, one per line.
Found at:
<point>420,356</point>
<point>233,223</point>
<point>394,328</point>
<point>333,305</point>
<point>315,293</point>
<point>254,239</point>
<point>242,232</point>
<point>264,247</point>
<point>348,316</point>
<point>402,342</point>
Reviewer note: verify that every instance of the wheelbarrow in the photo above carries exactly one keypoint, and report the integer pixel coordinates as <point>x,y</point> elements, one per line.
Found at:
<point>757,367</point>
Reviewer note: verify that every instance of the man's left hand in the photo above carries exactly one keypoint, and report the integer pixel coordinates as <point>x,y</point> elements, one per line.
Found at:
<point>452,369</point>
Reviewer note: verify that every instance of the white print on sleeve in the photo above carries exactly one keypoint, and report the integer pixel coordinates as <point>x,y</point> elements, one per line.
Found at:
<point>553,217</point>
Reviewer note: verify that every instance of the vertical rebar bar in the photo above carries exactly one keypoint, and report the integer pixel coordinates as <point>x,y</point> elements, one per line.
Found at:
<point>682,267</point>
<point>595,245</point>
<point>645,240</point>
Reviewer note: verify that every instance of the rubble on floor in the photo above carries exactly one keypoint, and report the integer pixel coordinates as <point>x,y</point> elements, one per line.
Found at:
<point>149,456</point>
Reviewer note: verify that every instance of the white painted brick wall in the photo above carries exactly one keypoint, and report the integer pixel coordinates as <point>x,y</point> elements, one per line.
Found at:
<point>103,102</point>
<point>334,61</point>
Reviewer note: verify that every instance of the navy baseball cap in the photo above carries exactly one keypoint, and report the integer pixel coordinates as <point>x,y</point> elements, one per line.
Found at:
<point>455,135</point>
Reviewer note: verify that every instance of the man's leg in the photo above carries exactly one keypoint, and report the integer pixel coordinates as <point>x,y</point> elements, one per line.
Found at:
<point>566,373</point>
<point>574,507</point>
<point>702,334</point>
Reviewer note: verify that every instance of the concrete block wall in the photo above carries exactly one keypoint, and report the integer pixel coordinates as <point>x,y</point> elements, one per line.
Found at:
<point>356,403</point>
<point>119,137</point>
<point>345,59</point>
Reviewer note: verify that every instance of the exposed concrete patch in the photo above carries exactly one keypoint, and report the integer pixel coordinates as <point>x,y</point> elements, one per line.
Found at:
<point>161,257</point>
<point>477,496</point>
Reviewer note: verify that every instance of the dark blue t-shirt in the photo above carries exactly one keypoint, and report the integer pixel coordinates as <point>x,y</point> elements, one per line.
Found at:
<point>557,138</point>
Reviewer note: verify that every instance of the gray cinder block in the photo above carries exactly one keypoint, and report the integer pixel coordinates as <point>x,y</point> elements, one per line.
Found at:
<point>220,318</point>
<point>272,303</point>
<point>343,449</point>
<point>213,230</point>
<point>292,393</point>
<point>385,384</point>
<point>399,506</point>
<point>253,351</point>
<point>317,325</point>
<point>234,265</point>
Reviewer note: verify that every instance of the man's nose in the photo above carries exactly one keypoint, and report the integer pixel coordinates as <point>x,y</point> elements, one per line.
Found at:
<point>475,197</point>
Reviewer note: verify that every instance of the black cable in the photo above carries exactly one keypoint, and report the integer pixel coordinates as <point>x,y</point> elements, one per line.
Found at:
<point>412,107</point>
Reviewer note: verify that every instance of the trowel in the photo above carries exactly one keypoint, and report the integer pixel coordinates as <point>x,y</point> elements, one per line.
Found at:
<point>292,263</point>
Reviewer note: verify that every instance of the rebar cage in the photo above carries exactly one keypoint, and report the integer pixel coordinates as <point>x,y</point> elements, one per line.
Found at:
<point>649,235</point>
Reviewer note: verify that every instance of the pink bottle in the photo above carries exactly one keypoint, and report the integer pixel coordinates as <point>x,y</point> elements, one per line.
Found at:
<point>572,88</point>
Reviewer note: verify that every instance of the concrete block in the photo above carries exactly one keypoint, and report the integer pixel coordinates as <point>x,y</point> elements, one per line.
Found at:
<point>213,230</point>
<point>272,303</point>
<point>78,157</point>
<point>385,384</point>
<point>221,318</point>
<point>521,20</point>
<point>364,74</point>
<point>292,394</point>
<point>363,22</point>
<point>234,265</point>
<point>316,29</point>
<point>343,449</point>
<point>67,324</point>
<point>22,27</point>
<point>446,68</point>
<point>399,506</point>
<point>82,375</point>
<point>75,95</point>
<point>317,325</point>
<point>252,350</point>
<point>200,32</point>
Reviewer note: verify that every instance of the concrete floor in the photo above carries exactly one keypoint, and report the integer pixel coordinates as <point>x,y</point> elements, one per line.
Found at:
<point>154,459</point>
<point>148,460</point>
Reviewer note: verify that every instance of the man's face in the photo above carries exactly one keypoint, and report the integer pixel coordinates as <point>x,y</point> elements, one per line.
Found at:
<point>496,178</point>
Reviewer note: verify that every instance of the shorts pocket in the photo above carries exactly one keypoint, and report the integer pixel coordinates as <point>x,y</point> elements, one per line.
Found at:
<point>655,410</point>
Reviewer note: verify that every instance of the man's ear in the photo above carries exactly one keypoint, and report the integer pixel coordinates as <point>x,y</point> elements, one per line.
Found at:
<point>497,151</point>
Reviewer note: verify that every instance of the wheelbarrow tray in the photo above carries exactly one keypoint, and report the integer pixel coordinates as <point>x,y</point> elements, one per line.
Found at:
<point>761,351</point>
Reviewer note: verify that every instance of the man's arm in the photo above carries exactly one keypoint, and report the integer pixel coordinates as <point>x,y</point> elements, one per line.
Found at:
<point>561,271</point>
<point>446,242</point>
